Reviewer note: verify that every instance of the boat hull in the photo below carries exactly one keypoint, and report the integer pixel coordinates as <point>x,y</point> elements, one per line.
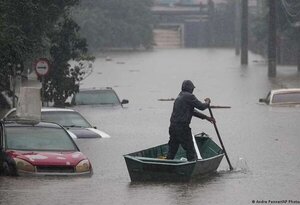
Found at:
<point>148,165</point>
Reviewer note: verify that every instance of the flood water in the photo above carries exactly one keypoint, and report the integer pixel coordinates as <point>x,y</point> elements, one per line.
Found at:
<point>262,142</point>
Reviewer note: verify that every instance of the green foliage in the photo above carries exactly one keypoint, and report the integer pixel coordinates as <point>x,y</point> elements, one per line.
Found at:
<point>25,24</point>
<point>115,23</point>
<point>66,44</point>
<point>30,29</point>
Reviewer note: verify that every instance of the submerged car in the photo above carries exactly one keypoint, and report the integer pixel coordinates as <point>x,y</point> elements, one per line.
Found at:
<point>98,96</point>
<point>39,148</point>
<point>73,121</point>
<point>282,97</point>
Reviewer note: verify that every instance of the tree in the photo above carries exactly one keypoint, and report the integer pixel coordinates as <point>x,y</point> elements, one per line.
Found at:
<point>24,27</point>
<point>37,28</point>
<point>66,44</point>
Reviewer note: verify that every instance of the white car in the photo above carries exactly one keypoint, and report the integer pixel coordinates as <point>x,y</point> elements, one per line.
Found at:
<point>73,121</point>
<point>282,97</point>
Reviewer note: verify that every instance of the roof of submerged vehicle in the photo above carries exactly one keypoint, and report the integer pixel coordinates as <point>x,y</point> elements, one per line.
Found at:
<point>53,109</point>
<point>29,123</point>
<point>287,96</point>
<point>50,109</point>
<point>285,90</point>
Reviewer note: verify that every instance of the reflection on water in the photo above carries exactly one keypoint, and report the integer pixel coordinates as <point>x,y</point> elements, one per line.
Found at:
<point>266,138</point>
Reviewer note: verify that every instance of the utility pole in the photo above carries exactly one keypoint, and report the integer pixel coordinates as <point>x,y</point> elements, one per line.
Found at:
<point>297,26</point>
<point>211,23</point>
<point>237,28</point>
<point>298,56</point>
<point>272,39</point>
<point>244,33</point>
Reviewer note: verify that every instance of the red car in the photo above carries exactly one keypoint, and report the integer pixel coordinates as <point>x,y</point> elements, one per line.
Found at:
<point>39,148</point>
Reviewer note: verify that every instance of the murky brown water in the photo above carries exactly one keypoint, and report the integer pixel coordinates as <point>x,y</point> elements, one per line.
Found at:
<point>262,142</point>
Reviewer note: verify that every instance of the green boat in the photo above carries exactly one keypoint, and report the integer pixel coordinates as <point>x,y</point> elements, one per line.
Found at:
<point>151,165</point>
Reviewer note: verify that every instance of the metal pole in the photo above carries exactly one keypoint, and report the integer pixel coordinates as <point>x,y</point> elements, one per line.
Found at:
<point>237,27</point>
<point>14,85</point>
<point>298,55</point>
<point>43,90</point>
<point>272,39</point>
<point>211,13</point>
<point>244,33</point>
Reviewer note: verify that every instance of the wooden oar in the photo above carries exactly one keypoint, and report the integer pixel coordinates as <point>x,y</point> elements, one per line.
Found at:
<point>221,142</point>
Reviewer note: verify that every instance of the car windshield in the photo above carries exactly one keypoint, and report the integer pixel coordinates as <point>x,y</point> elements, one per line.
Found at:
<point>94,97</point>
<point>292,97</point>
<point>65,118</point>
<point>38,138</point>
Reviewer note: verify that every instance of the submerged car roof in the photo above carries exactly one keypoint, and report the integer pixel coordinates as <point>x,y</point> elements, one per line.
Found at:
<point>285,90</point>
<point>29,123</point>
<point>50,109</point>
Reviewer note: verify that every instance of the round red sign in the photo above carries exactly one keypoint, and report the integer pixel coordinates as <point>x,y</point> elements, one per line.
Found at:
<point>42,67</point>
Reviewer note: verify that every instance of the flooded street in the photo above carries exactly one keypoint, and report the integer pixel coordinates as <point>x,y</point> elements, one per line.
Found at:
<point>262,142</point>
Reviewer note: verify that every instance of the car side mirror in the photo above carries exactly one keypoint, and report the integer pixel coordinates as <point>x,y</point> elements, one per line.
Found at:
<point>125,101</point>
<point>95,127</point>
<point>262,100</point>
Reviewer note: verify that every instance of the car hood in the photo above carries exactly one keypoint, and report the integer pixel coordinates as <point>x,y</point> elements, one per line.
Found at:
<point>37,158</point>
<point>88,133</point>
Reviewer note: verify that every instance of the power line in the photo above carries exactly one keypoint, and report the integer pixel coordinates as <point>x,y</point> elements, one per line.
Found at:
<point>291,9</point>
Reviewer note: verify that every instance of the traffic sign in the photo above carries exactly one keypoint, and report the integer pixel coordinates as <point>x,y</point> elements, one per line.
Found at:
<point>42,67</point>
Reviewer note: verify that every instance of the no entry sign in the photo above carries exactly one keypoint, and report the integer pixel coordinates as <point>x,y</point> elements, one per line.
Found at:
<point>42,67</point>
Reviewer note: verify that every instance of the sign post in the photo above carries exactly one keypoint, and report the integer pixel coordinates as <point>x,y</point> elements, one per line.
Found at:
<point>42,68</point>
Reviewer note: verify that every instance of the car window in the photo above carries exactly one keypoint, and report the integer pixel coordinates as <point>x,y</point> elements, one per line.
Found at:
<point>38,138</point>
<point>292,97</point>
<point>66,119</point>
<point>96,97</point>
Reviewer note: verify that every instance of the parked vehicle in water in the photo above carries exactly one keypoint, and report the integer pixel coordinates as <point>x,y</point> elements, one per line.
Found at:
<point>39,148</point>
<point>150,164</point>
<point>282,97</point>
<point>73,121</point>
<point>98,96</point>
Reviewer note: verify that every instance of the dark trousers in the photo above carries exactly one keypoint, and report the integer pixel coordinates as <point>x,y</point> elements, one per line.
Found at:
<point>181,135</point>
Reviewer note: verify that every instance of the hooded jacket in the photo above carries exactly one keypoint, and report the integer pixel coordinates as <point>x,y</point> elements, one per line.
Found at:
<point>185,104</point>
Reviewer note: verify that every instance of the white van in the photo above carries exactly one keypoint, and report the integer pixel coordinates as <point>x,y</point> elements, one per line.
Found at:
<point>284,97</point>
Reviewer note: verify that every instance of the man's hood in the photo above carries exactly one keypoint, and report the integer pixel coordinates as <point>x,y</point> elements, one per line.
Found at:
<point>187,86</point>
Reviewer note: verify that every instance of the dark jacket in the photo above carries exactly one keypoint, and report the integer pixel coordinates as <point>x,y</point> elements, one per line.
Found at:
<point>185,104</point>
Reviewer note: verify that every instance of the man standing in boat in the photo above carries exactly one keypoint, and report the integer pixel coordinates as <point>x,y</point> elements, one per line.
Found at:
<point>183,111</point>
